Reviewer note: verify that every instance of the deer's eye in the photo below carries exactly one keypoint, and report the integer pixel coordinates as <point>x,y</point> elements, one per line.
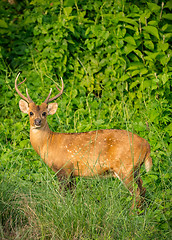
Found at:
<point>44,114</point>
<point>31,113</point>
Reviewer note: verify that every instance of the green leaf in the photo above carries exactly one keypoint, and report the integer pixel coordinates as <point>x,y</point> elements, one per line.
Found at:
<point>129,48</point>
<point>3,24</point>
<point>139,53</point>
<point>154,177</point>
<point>130,27</point>
<point>152,30</point>
<point>167,16</point>
<point>168,5</point>
<point>67,11</point>
<point>128,20</point>
<point>136,65</point>
<point>135,72</point>
<point>164,46</point>
<point>143,71</point>
<point>105,35</point>
<point>164,59</point>
<point>151,56</point>
<point>164,78</point>
<point>146,84</point>
<point>153,7</point>
<point>145,16</point>
<point>130,40</point>
<point>132,95</point>
<point>155,84</point>
<point>124,78</point>
<point>164,28</point>
<point>169,129</point>
<point>153,23</point>
<point>74,93</point>
<point>134,84</point>
<point>149,44</point>
<point>90,45</point>
<point>71,28</point>
<point>139,94</point>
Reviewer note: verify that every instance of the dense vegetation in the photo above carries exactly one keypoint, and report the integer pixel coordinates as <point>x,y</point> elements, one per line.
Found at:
<point>115,59</point>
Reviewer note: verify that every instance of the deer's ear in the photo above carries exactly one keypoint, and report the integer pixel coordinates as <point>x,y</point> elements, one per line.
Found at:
<point>23,105</point>
<point>52,108</point>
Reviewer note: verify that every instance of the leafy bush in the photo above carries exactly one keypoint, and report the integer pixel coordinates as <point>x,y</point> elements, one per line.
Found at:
<point>115,59</point>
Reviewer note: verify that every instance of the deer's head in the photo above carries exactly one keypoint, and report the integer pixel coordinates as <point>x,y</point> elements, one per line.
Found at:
<point>37,113</point>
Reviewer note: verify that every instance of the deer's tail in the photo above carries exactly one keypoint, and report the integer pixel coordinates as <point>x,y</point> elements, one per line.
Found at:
<point>148,160</point>
<point>148,163</point>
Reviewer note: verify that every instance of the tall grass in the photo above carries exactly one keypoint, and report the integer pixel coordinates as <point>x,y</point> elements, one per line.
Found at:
<point>95,209</point>
<point>32,206</point>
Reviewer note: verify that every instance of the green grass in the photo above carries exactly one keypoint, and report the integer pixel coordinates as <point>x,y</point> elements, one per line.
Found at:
<point>96,209</point>
<point>109,83</point>
<point>33,207</point>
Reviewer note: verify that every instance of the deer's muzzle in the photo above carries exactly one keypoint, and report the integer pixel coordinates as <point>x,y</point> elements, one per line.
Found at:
<point>38,122</point>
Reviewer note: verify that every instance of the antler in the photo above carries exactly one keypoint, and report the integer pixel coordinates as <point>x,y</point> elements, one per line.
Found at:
<point>47,100</point>
<point>27,99</point>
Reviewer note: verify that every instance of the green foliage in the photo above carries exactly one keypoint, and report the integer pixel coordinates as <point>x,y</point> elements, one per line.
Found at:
<point>115,59</point>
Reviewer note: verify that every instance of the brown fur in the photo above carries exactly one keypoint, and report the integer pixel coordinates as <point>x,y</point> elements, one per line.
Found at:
<point>90,153</point>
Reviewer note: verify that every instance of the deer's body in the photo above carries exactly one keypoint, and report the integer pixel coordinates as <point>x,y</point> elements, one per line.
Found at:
<point>87,154</point>
<point>91,153</point>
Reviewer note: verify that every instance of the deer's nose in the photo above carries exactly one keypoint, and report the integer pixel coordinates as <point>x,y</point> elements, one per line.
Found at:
<point>37,122</point>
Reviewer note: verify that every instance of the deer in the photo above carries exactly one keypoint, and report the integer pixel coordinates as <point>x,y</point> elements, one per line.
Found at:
<point>87,154</point>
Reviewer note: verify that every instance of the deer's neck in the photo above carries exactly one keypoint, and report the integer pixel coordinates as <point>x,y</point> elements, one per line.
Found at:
<point>40,138</point>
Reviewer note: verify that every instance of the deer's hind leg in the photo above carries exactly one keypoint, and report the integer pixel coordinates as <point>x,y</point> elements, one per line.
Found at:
<point>138,192</point>
<point>142,191</point>
<point>128,181</point>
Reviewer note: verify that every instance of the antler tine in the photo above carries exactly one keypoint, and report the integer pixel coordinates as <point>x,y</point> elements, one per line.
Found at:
<point>27,99</point>
<point>47,100</point>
